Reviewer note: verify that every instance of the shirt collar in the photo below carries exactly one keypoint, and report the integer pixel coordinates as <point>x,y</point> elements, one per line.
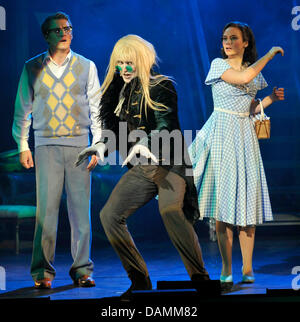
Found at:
<point>48,58</point>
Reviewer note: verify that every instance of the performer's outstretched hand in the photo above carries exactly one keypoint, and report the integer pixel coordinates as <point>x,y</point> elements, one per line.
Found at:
<point>97,149</point>
<point>93,163</point>
<point>276,50</point>
<point>142,150</point>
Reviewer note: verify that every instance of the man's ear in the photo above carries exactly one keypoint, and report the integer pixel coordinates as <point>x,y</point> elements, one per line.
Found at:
<point>46,38</point>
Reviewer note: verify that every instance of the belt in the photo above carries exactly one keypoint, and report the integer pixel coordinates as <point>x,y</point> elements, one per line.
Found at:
<point>245,114</point>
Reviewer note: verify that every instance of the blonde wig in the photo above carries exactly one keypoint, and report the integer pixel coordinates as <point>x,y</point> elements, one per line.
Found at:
<point>142,54</point>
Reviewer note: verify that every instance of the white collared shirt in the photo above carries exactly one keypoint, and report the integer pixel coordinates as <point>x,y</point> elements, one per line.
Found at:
<point>55,68</point>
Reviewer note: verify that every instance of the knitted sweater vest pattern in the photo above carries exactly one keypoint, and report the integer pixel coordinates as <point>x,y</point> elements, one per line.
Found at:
<point>60,107</point>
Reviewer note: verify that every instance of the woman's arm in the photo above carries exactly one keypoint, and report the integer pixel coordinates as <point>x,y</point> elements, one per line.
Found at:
<point>245,76</point>
<point>277,95</point>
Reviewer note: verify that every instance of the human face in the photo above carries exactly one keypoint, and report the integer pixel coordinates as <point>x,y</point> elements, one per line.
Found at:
<point>127,70</point>
<point>62,40</point>
<point>233,43</point>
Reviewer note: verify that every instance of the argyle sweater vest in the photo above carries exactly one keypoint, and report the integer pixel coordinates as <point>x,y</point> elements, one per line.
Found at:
<point>60,109</point>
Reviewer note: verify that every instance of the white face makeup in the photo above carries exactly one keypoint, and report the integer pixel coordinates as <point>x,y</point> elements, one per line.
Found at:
<point>127,70</point>
<point>233,43</point>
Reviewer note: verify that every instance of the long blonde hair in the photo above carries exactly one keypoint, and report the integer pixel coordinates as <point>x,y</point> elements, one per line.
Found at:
<point>143,55</point>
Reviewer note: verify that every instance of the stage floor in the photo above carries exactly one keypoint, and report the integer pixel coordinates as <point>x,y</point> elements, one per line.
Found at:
<point>277,252</point>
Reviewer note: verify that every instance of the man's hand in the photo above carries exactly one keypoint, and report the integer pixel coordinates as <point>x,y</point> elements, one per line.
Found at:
<point>92,165</point>
<point>142,150</point>
<point>26,159</point>
<point>94,150</point>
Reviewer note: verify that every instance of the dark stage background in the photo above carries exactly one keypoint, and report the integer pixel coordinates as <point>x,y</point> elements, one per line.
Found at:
<point>186,34</point>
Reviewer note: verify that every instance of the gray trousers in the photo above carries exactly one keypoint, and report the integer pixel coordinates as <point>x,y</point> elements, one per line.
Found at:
<point>55,170</point>
<point>138,186</point>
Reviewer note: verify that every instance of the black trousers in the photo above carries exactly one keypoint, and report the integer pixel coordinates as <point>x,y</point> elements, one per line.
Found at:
<point>138,186</point>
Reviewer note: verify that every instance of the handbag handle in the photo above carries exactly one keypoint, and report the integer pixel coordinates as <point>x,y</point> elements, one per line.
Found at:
<point>262,114</point>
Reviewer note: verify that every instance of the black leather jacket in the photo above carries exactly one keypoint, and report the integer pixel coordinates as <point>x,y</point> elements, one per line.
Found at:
<point>152,122</point>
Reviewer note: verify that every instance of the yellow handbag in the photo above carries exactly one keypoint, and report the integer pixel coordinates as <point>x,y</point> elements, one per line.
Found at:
<point>262,124</point>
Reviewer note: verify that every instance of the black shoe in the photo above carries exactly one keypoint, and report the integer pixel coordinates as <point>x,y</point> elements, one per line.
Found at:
<point>139,282</point>
<point>200,277</point>
<point>43,284</point>
<point>85,281</point>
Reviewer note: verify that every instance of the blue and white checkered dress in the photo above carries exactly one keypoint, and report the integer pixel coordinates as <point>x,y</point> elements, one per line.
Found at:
<point>228,169</point>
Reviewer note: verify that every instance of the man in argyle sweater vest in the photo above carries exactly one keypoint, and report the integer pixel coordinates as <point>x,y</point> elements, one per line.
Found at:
<point>59,90</point>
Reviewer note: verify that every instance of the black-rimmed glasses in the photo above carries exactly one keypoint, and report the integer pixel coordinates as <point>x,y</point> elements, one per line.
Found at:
<point>57,31</point>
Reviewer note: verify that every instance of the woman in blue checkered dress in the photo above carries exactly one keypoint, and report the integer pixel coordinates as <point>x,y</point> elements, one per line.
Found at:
<point>228,169</point>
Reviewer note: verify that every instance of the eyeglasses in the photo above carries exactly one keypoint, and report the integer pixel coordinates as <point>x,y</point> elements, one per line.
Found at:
<point>128,68</point>
<point>57,31</point>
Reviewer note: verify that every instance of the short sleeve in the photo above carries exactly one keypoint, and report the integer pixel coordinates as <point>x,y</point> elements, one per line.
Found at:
<point>260,82</point>
<point>217,68</point>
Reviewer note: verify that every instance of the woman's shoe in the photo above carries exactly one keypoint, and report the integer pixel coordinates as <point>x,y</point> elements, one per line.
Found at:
<point>226,279</point>
<point>248,279</point>
<point>226,282</point>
